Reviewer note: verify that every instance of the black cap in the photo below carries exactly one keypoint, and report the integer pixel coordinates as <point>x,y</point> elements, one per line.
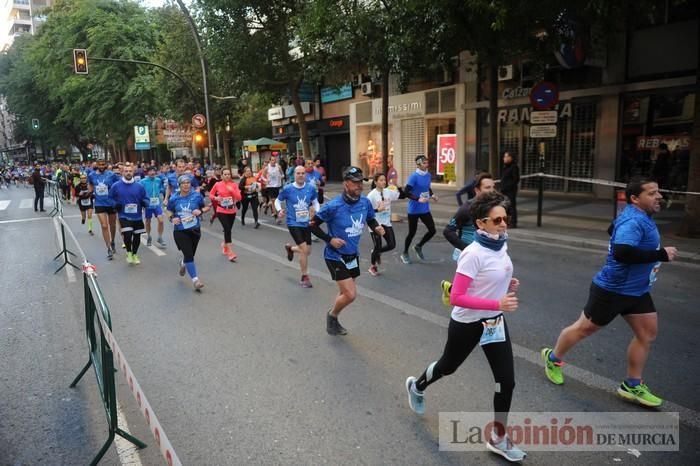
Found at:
<point>353,174</point>
<point>420,158</point>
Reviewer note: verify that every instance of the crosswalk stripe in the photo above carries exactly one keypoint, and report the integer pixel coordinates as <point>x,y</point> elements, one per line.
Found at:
<point>26,203</point>
<point>157,251</point>
<point>4,204</point>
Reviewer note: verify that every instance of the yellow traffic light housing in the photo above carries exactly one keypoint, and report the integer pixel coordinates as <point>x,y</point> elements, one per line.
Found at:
<point>80,61</point>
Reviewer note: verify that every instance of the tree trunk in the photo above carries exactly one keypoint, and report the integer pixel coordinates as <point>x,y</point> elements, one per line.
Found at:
<point>385,121</point>
<point>493,117</point>
<point>301,119</point>
<point>691,221</point>
<point>227,149</point>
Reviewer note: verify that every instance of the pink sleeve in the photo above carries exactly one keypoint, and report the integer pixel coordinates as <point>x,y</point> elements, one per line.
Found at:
<point>459,296</point>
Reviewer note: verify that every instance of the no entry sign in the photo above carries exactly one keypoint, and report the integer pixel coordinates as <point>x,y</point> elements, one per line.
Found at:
<point>544,95</point>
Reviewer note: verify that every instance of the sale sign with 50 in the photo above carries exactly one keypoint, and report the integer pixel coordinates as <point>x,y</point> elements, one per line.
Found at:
<point>446,151</point>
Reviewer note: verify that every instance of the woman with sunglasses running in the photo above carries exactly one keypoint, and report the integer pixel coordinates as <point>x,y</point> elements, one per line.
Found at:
<point>483,290</point>
<point>226,194</point>
<point>381,198</point>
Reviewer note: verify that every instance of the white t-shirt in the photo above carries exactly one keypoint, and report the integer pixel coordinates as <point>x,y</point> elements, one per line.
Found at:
<point>490,272</point>
<point>375,197</point>
<point>274,176</point>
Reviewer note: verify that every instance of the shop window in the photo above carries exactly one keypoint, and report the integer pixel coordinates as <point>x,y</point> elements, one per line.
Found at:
<point>369,146</point>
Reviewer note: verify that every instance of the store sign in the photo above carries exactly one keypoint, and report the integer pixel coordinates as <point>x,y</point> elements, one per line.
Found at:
<point>333,94</point>
<point>402,110</point>
<point>543,131</point>
<point>518,114</point>
<point>275,113</point>
<point>289,110</point>
<point>672,141</point>
<point>142,140</point>
<point>336,123</point>
<point>516,92</point>
<point>446,152</point>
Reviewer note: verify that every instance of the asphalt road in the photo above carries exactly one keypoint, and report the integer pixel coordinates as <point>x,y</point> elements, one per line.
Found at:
<point>244,373</point>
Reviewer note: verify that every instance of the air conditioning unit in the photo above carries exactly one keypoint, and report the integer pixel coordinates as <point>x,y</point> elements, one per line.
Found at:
<point>505,73</point>
<point>357,80</point>
<point>367,89</point>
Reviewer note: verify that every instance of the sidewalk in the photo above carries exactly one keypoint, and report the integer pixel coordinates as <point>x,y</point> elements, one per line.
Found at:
<point>566,219</point>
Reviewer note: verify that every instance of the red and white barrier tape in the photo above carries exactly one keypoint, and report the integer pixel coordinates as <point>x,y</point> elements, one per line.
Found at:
<point>166,448</point>
<point>599,181</point>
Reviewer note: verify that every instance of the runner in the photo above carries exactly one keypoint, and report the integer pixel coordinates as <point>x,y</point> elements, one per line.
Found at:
<point>484,288</point>
<point>215,178</point>
<point>346,216</point>
<point>274,175</point>
<point>226,194</point>
<point>301,205</point>
<point>129,199</point>
<point>381,198</point>
<point>622,287</point>
<point>459,231</point>
<point>86,202</point>
<point>322,172</point>
<point>173,177</point>
<point>100,181</point>
<point>154,190</point>
<point>185,208</point>
<point>419,194</point>
<point>249,187</point>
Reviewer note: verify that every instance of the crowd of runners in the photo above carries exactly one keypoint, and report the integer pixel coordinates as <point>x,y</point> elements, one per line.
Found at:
<point>483,291</point>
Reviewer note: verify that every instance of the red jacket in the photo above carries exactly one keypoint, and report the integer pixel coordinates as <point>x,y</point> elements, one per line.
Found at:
<point>224,190</point>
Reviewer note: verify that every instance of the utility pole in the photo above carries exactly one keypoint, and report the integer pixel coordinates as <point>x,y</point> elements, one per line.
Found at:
<point>205,79</point>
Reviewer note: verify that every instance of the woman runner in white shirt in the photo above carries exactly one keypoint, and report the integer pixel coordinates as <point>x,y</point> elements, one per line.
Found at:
<point>381,198</point>
<point>482,291</point>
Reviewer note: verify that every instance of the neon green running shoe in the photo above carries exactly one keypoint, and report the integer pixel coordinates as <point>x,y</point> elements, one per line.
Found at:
<point>129,258</point>
<point>446,287</point>
<point>552,369</point>
<point>639,394</point>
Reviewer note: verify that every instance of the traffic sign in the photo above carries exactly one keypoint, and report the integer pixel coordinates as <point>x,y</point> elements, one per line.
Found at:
<point>198,120</point>
<point>544,95</point>
<point>546,117</point>
<point>142,140</point>
<point>543,131</point>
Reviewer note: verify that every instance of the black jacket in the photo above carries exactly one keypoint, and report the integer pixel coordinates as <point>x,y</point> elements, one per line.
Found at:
<point>510,177</point>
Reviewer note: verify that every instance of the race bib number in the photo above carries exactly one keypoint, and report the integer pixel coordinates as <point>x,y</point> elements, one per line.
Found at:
<point>425,195</point>
<point>130,208</point>
<point>226,201</point>
<point>86,202</point>
<point>494,331</point>
<point>455,254</point>
<point>101,189</point>
<point>653,273</point>
<point>383,217</point>
<point>189,221</point>
<point>352,264</point>
<point>302,215</point>
<point>154,202</point>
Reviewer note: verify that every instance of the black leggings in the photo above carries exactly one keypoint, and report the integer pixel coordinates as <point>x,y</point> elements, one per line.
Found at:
<point>39,198</point>
<point>377,240</point>
<point>253,202</point>
<point>187,241</point>
<point>461,340</point>
<point>132,241</point>
<point>427,220</point>
<point>226,222</point>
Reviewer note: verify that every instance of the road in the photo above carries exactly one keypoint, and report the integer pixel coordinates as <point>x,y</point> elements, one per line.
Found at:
<point>244,373</point>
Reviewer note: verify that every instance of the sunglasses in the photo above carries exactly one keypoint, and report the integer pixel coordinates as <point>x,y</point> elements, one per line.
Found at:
<point>497,220</point>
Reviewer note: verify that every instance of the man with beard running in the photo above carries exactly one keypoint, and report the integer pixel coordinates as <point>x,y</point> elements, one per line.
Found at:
<point>129,199</point>
<point>100,181</point>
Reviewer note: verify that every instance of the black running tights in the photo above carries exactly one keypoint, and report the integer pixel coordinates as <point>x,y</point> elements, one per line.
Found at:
<point>227,223</point>
<point>461,340</point>
<point>132,240</point>
<point>187,241</point>
<point>377,241</point>
<point>253,203</point>
<point>427,220</point>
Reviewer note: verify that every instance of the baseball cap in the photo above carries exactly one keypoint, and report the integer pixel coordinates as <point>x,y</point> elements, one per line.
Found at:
<point>421,158</point>
<point>353,174</point>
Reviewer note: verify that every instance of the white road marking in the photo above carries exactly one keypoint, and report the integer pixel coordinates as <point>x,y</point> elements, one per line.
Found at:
<point>26,203</point>
<point>4,204</point>
<point>69,270</point>
<point>156,250</point>
<point>34,219</point>
<point>127,451</point>
<point>591,379</point>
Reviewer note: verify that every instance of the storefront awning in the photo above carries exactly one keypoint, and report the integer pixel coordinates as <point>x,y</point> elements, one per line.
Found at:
<point>263,144</point>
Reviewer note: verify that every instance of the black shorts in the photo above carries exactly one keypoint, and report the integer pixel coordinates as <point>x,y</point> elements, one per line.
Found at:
<point>104,210</point>
<point>603,305</point>
<point>83,208</point>
<point>339,270</point>
<point>272,192</point>
<point>300,234</point>
<point>134,226</point>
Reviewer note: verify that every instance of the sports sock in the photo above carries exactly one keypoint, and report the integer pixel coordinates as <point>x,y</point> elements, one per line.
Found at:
<point>553,358</point>
<point>89,222</point>
<point>632,382</point>
<point>191,269</point>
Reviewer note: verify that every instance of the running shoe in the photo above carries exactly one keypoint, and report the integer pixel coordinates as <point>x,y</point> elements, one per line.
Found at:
<point>257,225</point>
<point>113,248</point>
<point>416,400</point>
<point>149,241</point>
<point>290,253</point>
<point>161,243</point>
<point>181,270</point>
<point>82,221</point>
<point>110,254</point>
<point>224,249</point>
<point>506,449</point>
<point>231,256</point>
<point>373,270</point>
<point>91,233</point>
<point>405,258</point>
<point>305,282</point>
<point>333,327</point>
<point>242,221</point>
<point>639,394</point>
<point>419,252</point>
<point>446,289</point>
<point>123,246</point>
<point>197,284</point>
<point>129,258</point>
<point>552,369</point>
<point>135,259</point>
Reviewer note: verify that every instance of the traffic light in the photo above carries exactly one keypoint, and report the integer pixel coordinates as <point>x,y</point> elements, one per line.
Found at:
<point>80,61</point>
<point>35,124</point>
<point>200,138</point>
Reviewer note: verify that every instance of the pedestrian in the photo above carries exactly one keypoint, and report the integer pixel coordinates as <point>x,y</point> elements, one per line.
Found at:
<point>130,199</point>
<point>484,290</point>
<point>468,189</point>
<point>274,175</point>
<point>346,216</point>
<point>249,188</point>
<point>39,184</point>
<point>226,194</point>
<point>300,206</point>
<point>622,288</point>
<point>419,195</point>
<point>381,198</point>
<point>155,191</point>
<point>510,177</point>
<point>322,175</point>
<point>100,181</point>
<point>185,208</point>
<point>86,202</point>
<point>215,178</point>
